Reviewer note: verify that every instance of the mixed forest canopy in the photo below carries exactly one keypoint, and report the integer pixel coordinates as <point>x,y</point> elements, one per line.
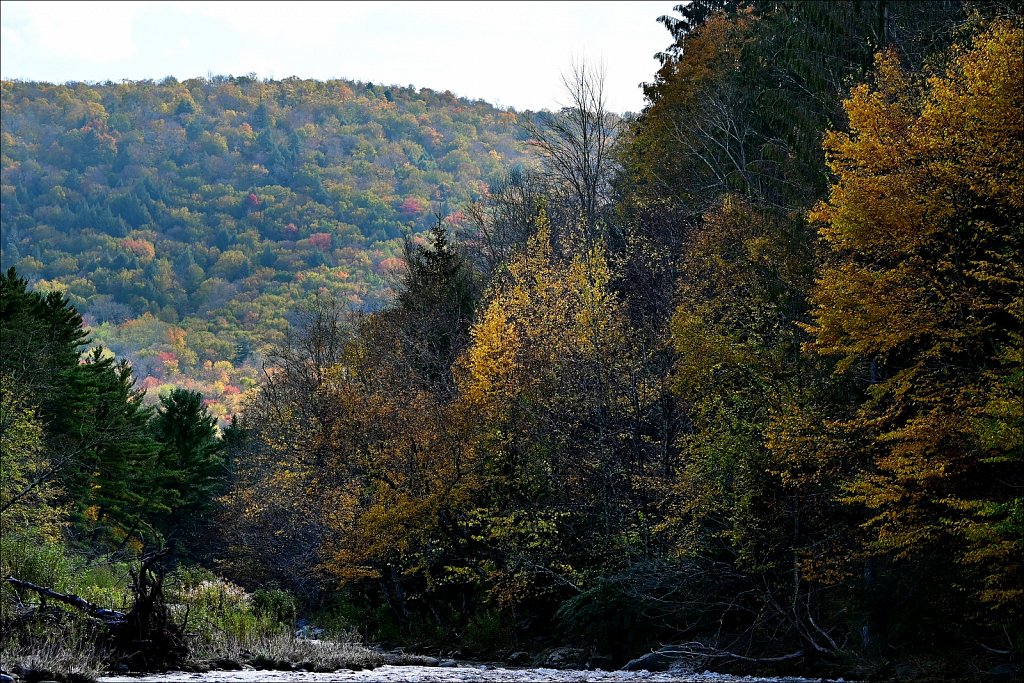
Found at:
<point>743,373</point>
<point>185,220</point>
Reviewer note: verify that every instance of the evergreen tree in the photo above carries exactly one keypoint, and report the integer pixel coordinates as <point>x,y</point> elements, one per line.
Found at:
<point>435,305</point>
<point>107,431</point>
<point>95,426</point>
<point>189,469</point>
<point>42,336</point>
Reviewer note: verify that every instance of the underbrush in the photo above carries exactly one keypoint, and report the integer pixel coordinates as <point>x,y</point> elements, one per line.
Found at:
<point>44,562</point>
<point>45,640</point>
<point>224,622</point>
<point>48,641</point>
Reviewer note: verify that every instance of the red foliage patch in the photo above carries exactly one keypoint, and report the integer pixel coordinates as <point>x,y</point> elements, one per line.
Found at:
<point>320,240</point>
<point>413,205</point>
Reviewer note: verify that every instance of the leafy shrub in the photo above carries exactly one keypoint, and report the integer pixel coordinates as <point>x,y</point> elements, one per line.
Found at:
<point>487,632</point>
<point>275,604</point>
<point>31,557</point>
<point>187,577</point>
<point>339,615</point>
<point>227,622</point>
<point>216,608</point>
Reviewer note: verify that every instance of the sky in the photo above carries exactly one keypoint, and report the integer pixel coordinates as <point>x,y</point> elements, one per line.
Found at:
<point>511,54</point>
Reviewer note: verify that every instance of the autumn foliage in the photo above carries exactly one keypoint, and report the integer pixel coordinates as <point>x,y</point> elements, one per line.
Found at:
<point>753,387</point>
<point>776,404</point>
<point>922,297</point>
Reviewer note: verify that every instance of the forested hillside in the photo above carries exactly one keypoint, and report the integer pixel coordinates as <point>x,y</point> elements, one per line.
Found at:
<point>185,220</point>
<point>742,375</point>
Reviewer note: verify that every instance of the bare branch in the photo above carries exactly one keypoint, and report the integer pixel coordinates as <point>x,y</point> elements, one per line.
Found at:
<point>576,144</point>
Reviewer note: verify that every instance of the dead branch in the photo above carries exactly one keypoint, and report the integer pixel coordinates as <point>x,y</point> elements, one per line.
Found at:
<point>107,616</point>
<point>145,638</point>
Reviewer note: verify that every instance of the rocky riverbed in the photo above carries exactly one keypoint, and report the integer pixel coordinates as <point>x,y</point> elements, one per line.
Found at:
<point>462,673</point>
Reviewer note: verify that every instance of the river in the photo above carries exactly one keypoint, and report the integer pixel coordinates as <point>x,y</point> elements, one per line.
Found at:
<point>460,674</point>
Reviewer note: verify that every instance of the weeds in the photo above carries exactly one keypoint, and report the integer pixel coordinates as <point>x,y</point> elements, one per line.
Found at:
<point>34,558</point>
<point>68,653</point>
<point>222,620</point>
<point>225,622</point>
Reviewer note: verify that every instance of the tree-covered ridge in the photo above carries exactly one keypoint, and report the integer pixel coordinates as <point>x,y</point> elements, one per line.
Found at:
<point>184,220</point>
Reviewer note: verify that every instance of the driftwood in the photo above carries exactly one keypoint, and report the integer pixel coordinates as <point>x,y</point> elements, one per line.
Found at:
<point>698,655</point>
<point>144,638</point>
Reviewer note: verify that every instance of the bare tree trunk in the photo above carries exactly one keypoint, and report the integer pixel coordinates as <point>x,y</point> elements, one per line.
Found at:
<point>576,145</point>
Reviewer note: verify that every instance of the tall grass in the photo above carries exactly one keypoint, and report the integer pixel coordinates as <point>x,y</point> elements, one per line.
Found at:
<point>57,642</point>
<point>34,558</point>
<point>214,609</point>
<point>226,622</point>
<point>282,650</point>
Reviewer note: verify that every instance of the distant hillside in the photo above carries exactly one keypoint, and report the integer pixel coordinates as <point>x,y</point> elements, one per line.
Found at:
<point>185,220</point>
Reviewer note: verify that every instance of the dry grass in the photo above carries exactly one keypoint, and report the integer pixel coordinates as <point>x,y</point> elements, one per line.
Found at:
<point>285,651</point>
<point>70,656</point>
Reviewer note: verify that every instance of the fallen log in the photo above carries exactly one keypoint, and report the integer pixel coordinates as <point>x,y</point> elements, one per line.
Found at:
<point>107,616</point>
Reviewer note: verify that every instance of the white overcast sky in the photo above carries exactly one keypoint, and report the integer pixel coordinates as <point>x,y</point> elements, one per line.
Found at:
<point>509,53</point>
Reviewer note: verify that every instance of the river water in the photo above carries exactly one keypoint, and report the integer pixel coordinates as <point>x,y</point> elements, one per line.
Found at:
<point>461,674</point>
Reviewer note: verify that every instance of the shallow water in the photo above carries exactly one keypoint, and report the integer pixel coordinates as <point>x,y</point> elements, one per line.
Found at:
<point>462,674</point>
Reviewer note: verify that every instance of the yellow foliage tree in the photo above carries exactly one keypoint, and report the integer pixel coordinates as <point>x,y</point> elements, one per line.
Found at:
<point>922,298</point>
<point>28,492</point>
<point>358,472</point>
<point>555,383</point>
